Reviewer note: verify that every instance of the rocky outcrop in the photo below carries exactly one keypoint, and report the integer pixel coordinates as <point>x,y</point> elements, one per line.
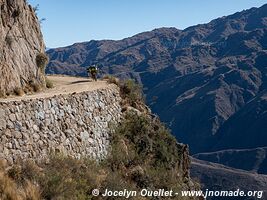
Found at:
<point>76,125</point>
<point>20,42</point>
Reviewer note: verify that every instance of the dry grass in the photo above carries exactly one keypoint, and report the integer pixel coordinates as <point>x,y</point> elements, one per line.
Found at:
<point>10,190</point>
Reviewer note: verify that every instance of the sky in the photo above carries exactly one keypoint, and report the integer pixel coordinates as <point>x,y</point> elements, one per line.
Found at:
<point>71,21</point>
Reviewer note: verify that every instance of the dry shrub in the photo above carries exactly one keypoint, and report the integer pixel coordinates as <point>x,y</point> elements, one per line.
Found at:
<point>18,91</point>
<point>31,192</point>
<point>68,178</point>
<point>36,87</point>
<point>32,87</point>
<point>16,13</point>
<point>111,79</point>
<point>2,94</point>
<point>28,89</point>
<point>10,189</point>
<point>8,93</point>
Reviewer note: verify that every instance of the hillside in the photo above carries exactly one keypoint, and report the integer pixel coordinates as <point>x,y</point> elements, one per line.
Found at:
<point>21,42</point>
<point>195,79</point>
<point>251,118</point>
<point>253,160</point>
<point>220,178</point>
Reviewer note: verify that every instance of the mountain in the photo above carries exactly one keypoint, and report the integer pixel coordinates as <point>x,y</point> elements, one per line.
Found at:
<point>215,177</point>
<point>253,160</point>
<point>205,81</point>
<point>21,41</point>
<point>249,123</point>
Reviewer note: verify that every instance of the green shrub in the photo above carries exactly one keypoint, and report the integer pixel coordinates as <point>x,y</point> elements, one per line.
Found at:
<point>41,61</point>
<point>149,137</point>
<point>131,92</point>
<point>48,83</point>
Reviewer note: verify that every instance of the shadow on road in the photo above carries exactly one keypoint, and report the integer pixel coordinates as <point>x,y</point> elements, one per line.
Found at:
<point>83,81</point>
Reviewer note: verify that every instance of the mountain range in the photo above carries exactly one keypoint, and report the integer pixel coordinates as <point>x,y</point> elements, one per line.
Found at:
<point>208,83</point>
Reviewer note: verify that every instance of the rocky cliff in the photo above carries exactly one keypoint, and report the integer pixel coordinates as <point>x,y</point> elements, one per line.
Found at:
<point>20,42</point>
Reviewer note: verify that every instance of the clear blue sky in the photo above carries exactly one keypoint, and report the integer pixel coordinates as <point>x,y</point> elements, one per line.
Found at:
<point>70,21</point>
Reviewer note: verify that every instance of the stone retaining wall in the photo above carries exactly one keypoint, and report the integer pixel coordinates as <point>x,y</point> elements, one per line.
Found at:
<point>74,124</point>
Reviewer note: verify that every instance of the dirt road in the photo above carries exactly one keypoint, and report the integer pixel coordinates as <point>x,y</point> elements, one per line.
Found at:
<point>63,85</point>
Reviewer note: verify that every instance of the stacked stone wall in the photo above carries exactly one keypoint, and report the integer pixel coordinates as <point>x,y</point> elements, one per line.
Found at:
<point>77,125</point>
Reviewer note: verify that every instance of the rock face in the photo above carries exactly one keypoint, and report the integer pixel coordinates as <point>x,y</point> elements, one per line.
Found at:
<point>20,42</point>
<point>76,125</point>
<point>195,79</point>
